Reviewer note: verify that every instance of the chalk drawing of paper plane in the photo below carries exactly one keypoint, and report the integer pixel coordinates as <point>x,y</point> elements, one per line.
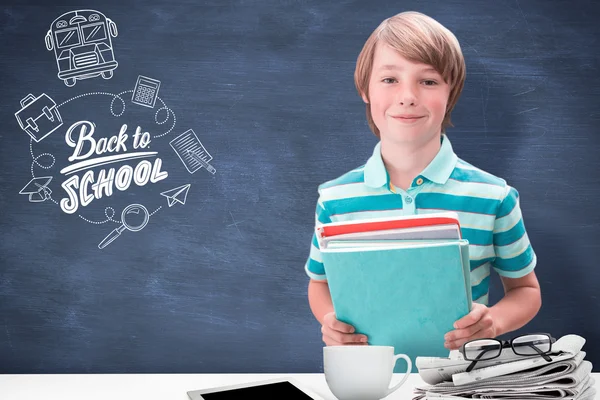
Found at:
<point>37,189</point>
<point>177,195</point>
<point>191,152</point>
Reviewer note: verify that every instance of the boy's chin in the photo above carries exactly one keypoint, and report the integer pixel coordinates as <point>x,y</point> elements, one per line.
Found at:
<point>409,136</point>
<point>409,132</point>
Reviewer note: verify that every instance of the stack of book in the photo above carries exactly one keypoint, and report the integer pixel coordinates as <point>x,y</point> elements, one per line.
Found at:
<point>510,376</point>
<point>401,281</point>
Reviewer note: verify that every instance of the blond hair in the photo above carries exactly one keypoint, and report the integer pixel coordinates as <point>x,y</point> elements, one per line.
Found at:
<point>418,38</point>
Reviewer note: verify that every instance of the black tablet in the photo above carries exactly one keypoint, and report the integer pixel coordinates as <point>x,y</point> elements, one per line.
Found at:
<point>280,388</point>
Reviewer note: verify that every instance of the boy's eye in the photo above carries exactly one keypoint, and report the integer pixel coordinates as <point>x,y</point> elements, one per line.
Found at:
<point>429,82</point>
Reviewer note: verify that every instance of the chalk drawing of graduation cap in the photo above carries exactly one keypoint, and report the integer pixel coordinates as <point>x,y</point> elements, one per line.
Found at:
<point>37,189</point>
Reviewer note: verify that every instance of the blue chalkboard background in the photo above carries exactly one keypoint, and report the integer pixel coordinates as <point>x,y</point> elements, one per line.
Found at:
<point>217,284</point>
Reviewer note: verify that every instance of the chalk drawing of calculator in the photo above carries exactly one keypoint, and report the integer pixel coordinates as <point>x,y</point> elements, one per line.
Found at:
<point>145,91</point>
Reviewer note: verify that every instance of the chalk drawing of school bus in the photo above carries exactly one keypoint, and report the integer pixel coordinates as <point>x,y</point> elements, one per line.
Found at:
<point>82,45</point>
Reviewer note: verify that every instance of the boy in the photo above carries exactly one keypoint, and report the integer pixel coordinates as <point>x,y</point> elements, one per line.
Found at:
<point>410,74</point>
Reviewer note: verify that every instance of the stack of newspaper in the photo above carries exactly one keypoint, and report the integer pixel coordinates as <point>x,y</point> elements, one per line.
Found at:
<point>567,376</point>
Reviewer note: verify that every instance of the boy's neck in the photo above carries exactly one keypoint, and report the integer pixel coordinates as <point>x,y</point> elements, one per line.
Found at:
<point>404,161</point>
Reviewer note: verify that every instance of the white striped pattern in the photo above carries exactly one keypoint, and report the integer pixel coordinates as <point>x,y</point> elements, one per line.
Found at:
<point>481,252</point>
<point>514,249</point>
<point>350,190</point>
<point>467,219</point>
<point>480,273</point>
<point>471,189</point>
<point>367,214</point>
<point>507,222</point>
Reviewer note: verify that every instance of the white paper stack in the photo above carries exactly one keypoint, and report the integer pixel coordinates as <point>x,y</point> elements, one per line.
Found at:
<point>567,376</point>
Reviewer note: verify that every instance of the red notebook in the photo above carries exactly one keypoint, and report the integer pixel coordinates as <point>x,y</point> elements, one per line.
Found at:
<point>382,224</point>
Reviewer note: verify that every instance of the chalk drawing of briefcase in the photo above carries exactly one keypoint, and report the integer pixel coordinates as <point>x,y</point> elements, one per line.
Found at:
<point>38,116</point>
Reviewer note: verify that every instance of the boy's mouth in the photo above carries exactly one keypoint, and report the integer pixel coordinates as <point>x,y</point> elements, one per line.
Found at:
<point>407,118</point>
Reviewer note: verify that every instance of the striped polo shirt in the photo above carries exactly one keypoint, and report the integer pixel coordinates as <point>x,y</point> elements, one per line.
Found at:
<point>487,207</point>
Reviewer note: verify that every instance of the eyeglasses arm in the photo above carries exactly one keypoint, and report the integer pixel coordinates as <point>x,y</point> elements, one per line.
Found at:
<point>470,367</point>
<point>541,353</point>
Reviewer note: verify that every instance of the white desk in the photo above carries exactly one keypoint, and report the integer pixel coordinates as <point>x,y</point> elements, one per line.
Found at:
<point>148,386</point>
<point>157,386</point>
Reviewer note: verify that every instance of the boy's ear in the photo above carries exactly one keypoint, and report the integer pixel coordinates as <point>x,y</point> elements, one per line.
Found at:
<point>365,98</point>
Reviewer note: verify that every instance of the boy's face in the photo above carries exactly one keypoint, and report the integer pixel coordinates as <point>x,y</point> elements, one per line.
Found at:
<point>398,88</point>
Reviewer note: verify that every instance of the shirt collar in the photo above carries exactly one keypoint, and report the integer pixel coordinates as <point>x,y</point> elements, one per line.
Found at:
<point>438,170</point>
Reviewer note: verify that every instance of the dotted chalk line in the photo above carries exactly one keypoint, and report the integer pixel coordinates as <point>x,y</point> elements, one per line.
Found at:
<point>108,217</point>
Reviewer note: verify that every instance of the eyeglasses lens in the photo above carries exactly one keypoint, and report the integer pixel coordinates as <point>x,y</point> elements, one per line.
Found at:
<point>526,345</point>
<point>484,349</point>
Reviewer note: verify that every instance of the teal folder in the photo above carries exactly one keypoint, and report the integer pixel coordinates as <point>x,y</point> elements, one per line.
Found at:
<point>404,294</point>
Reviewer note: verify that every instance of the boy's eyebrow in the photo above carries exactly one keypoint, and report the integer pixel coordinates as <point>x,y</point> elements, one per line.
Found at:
<point>396,67</point>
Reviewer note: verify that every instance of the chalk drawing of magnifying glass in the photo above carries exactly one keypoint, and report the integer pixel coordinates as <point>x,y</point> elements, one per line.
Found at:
<point>134,217</point>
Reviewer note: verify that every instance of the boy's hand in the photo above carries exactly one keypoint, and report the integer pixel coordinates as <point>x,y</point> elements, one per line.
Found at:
<point>478,324</point>
<point>337,333</point>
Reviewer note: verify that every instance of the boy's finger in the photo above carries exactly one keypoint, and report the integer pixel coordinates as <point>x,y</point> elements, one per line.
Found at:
<point>337,325</point>
<point>354,339</point>
<point>455,343</point>
<point>342,327</point>
<point>471,318</point>
<point>463,333</point>
<point>331,342</point>
<point>344,338</point>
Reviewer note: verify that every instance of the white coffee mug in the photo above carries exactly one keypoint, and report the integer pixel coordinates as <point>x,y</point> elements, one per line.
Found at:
<point>362,372</point>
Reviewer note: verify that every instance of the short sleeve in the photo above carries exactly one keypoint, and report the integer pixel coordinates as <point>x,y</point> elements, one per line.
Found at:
<point>515,257</point>
<point>314,264</point>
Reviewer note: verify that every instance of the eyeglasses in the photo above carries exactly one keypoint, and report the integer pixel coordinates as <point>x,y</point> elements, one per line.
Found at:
<point>536,344</point>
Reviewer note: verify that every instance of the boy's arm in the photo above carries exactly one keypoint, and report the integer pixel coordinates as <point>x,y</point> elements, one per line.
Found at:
<point>335,333</point>
<point>319,299</point>
<point>514,261</point>
<point>521,302</point>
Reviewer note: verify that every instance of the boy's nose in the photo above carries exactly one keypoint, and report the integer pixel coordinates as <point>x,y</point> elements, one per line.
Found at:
<point>406,96</point>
